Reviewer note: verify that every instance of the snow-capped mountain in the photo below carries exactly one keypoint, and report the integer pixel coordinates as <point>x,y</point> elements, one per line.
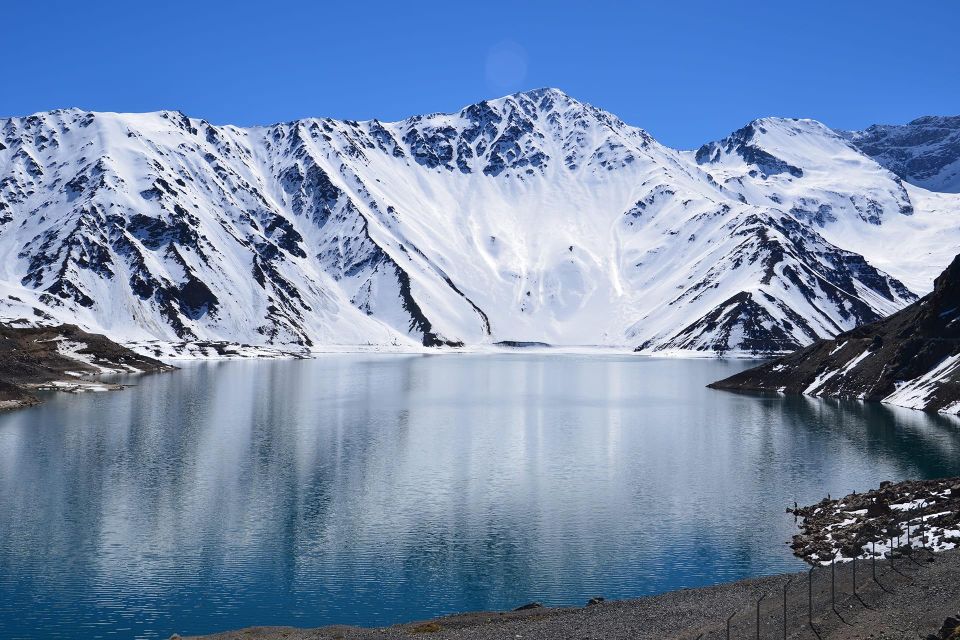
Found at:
<point>533,217</point>
<point>925,152</point>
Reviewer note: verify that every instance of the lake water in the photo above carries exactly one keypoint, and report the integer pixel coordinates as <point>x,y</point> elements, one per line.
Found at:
<point>372,489</point>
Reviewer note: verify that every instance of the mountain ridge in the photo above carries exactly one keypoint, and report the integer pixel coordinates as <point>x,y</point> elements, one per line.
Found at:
<point>925,151</point>
<point>532,218</point>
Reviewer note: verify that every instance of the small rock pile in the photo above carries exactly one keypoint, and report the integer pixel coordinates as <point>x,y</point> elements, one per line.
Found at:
<point>892,519</point>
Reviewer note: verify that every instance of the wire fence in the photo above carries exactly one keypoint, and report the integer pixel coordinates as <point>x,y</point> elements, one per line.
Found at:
<point>804,605</point>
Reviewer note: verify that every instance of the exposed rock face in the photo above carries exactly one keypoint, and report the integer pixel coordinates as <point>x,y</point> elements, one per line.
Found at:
<point>911,358</point>
<point>60,357</point>
<point>530,218</point>
<point>924,152</point>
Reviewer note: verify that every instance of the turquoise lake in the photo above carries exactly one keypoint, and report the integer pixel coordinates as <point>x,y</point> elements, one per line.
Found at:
<point>373,489</point>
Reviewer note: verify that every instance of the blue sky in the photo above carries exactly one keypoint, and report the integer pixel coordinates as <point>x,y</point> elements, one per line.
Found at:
<point>688,72</point>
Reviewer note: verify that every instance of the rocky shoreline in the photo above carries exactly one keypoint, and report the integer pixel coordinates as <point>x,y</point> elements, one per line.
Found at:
<point>61,358</point>
<point>896,518</point>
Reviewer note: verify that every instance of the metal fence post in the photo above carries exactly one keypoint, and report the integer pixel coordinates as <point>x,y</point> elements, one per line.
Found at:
<point>833,584</point>
<point>923,538</point>
<point>785,587</point>
<point>873,557</point>
<point>854,575</point>
<point>910,546</point>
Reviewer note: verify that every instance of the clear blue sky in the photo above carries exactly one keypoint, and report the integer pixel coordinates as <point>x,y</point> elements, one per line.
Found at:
<point>688,72</point>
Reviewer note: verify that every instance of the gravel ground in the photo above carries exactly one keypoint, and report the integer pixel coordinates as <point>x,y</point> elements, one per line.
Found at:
<point>909,599</point>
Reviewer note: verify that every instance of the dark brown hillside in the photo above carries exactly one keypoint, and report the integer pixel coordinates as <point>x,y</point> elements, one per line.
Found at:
<point>30,357</point>
<point>909,358</point>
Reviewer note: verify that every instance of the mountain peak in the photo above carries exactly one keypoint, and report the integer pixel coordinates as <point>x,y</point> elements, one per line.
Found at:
<point>542,100</point>
<point>537,94</point>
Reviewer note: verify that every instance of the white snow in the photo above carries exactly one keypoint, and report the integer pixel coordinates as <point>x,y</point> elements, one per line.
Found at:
<point>829,374</point>
<point>72,348</point>
<point>915,393</point>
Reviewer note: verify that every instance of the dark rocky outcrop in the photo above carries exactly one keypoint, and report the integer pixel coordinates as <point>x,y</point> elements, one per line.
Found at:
<point>30,359</point>
<point>909,358</point>
<point>925,151</point>
<point>519,344</point>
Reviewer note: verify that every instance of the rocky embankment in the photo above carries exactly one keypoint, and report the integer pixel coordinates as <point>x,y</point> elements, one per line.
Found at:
<point>62,358</point>
<point>910,359</point>
<point>896,518</point>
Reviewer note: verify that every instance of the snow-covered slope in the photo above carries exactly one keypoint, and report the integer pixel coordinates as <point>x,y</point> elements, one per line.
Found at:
<point>533,217</point>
